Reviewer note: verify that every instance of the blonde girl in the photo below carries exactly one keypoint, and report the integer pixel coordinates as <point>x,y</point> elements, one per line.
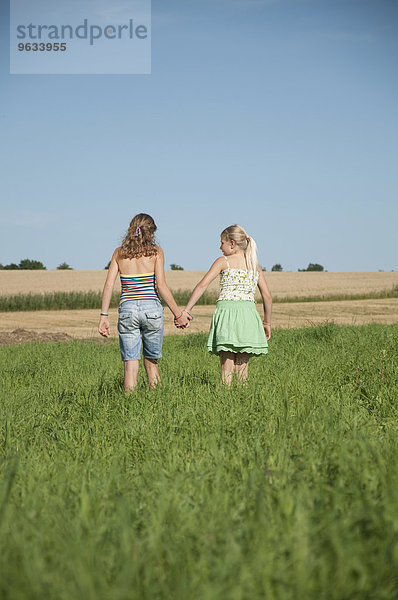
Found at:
<point>140,264</point>
<point>236,331</point>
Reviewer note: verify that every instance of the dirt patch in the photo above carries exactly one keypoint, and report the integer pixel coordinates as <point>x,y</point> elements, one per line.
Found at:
<point>22,336</point>
<point>17,327</point>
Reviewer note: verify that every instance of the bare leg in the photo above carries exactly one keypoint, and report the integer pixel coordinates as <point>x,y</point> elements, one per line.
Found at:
<point>152,371</point>
<point>227,367</point>
<point>242,366</point>
<point>130,374</point>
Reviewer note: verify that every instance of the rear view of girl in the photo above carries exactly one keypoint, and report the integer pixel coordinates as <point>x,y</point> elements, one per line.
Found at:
<point>236,331</point>
<point>140,264</point>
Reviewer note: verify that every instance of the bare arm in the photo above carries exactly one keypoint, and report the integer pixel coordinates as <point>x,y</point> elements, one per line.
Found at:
<point>164,291</point>
<point>267,302</point>
<point>204,283</point>
<point>104,327</point>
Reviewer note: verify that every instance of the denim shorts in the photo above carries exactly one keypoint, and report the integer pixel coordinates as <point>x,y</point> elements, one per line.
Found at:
<point>140,319</point>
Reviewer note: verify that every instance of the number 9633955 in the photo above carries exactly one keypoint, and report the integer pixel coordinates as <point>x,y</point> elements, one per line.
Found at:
<point>42,47</point>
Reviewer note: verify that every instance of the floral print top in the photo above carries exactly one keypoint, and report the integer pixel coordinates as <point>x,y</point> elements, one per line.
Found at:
<point>237,284</point>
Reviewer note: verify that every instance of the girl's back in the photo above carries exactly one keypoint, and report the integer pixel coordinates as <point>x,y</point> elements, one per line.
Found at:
<point>237,261</point>
<point>136,266</point>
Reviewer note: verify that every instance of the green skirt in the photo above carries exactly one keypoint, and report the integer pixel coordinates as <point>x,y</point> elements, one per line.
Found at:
<point>236,327</point>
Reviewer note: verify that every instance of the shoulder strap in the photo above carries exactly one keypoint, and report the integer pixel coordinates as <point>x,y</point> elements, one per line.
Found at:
<point>227,262</point>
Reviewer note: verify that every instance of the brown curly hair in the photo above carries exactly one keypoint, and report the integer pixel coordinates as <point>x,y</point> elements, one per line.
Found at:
<point>140,238</point>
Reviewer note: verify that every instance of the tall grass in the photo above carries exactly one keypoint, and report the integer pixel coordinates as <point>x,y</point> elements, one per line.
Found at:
<point>91,299</point>
<point>285,490</point>
<point>54,301</point>
<point>79,300</point>
<point>371,295</point>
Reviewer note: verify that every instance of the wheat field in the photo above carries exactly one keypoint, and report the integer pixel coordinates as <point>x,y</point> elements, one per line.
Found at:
<point>83,323</point>
<point>282,285</point>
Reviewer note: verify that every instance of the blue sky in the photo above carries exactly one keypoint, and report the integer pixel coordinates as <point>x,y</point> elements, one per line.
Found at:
<point>280,115</point>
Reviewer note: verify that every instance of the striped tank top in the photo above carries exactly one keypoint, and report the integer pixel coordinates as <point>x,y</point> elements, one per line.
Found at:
<point>138,287</point>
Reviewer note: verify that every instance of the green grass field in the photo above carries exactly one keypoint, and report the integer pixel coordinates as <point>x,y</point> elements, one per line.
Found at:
<point>286,490</point>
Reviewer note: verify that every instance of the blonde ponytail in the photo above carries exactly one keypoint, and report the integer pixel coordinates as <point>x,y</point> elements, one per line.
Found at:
<point>251,255</point>
<point>246,243</point>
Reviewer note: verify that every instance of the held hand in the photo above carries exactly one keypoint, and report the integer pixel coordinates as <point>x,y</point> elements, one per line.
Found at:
<point>183,321</point>
<point>104,328</point>
<point>188,315</point>
<point>267,330</point>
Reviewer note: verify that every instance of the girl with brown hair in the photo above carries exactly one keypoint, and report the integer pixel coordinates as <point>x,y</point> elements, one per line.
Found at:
<point>140,264</point>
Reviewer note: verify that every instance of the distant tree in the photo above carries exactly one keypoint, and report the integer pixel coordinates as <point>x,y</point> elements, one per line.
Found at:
<point>277,267</point>
<point>64,267</point>
<point>313,267</point>
<point>263,268</point>
<point>108,265</point>
<point>26,263</point>
<point>175,267</point>
<point>11,267</point>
